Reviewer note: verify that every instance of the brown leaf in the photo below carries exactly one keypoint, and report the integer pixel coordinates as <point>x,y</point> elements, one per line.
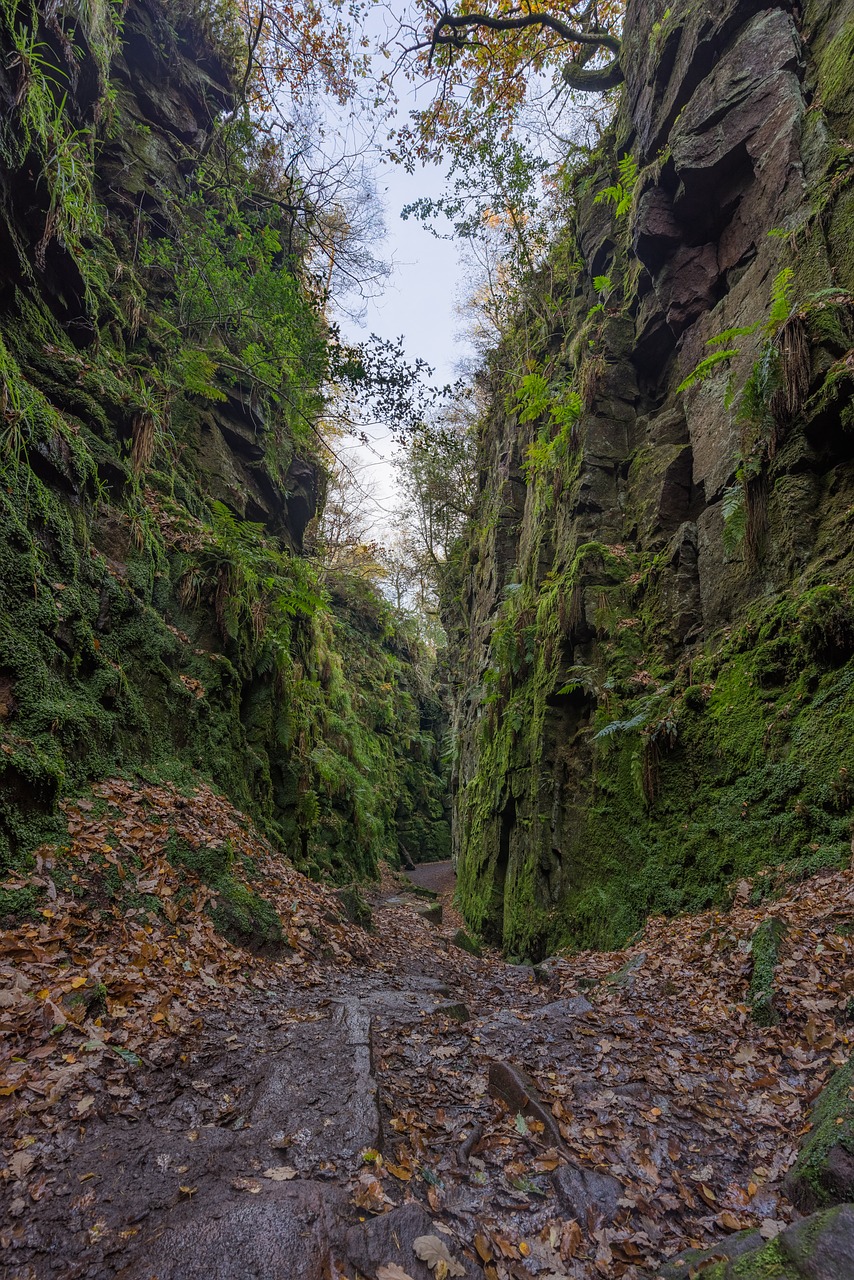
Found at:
<point>252,1185</point>
<point>571,1240</point>
<point>483,1247</point>
<point>434,1252</point>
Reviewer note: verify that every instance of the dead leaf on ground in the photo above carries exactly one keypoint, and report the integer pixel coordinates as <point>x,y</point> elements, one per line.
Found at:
<point>434,1252</point>
<point>391,1271</point>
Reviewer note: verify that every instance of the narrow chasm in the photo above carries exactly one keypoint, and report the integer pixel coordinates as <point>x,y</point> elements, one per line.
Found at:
<point>426,811</point>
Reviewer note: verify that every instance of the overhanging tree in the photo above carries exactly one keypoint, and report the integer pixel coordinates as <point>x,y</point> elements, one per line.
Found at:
<point>489,59</point>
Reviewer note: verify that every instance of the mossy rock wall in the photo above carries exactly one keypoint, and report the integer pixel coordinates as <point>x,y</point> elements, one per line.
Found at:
<point>653,610</point>
<point>157,615</point>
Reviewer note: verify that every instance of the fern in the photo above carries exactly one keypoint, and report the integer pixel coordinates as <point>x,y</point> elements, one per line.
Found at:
<point>735,518</point>
<point>622,193</point>
<point>722,339</point>
<point>781,299</point>
<point>602,284</point>
<point>624,726</point>
<point>533,397</point>
<point>705,368</point>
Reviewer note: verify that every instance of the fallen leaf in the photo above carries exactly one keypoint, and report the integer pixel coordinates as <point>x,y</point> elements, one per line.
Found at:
<point>281,1173</point>
<point>484,1250</point>
<point>252,1185</point>
<point>571,1240</point>
<point>21,1163</point>
<point>391,1271</point>
<point>434,1252</point>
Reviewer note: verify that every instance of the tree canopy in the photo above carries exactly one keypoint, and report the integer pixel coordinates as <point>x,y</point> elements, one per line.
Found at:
<point>486,62</point>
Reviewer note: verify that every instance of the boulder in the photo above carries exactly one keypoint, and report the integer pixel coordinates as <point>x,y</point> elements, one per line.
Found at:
<point>823,1173</point>
<point>465,943</point>
<point>586,1194</point>
<point>390,1239</point>
<point>820,1247</point>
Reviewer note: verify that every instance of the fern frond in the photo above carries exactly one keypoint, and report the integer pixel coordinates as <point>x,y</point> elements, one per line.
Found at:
<point>741,331</point>
<point>781,299</point>
<point>705,368</point>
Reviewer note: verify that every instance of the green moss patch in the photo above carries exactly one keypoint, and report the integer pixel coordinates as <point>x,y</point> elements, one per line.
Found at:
<point>824,1171</point>
<point>765,951</point>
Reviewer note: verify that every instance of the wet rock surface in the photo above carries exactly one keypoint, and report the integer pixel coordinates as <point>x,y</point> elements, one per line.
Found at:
<point>352,1121</point>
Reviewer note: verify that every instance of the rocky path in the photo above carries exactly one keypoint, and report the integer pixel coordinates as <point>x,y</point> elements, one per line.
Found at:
<point>386,1105</point>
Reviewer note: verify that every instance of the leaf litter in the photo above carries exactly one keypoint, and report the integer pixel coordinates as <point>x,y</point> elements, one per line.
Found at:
<point>647,1059</point>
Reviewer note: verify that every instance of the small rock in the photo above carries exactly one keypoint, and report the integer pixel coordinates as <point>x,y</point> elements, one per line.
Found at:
<point>623,976</point>
<point>390,1238</point>
<point>466,943</point>
<point>584,1192</point>
<point>354,906</point>
<point>560,1010</point>
<point>457,1012</point>
<point>547,970</point>
<point>429,911</point>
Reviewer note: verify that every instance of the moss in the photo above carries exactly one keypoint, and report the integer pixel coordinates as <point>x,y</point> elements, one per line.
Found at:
<point>836,70</point>
<point>209,862</point>
<point>18,903</point>
<point>245,918</point>
<point>811,1182</point>
<point>765,949</point>
<point>767,1264</point>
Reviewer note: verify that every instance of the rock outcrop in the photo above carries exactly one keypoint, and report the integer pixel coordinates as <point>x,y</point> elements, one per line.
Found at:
<point>161,371</point>
<point>655,630</point>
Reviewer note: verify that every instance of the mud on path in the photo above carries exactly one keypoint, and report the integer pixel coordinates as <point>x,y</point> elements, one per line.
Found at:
<point>339,1118</point>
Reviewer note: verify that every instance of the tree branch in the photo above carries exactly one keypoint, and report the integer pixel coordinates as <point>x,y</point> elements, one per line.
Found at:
<point>451,30</point>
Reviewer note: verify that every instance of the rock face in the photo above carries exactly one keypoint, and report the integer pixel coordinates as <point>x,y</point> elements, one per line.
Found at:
<point>823,1173</point>
<point>655,631</point>
<point>144,625</point>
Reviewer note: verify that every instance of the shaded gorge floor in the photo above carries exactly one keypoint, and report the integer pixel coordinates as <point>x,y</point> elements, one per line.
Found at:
<point>343,1101</point>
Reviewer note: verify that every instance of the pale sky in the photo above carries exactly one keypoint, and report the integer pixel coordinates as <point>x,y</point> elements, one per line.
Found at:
<point>418,302</point>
